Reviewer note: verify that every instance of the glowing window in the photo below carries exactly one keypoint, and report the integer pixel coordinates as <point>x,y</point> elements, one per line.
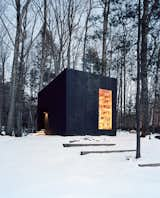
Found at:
<point>105,110</point>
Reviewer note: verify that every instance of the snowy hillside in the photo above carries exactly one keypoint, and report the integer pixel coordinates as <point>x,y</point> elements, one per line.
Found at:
<point>40,167</point>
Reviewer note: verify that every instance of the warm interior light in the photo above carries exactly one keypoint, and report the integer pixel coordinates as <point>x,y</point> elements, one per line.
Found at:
<point>105,109</point>
<point>45,120</point>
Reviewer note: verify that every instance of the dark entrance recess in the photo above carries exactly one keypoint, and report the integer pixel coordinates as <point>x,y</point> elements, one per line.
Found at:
<point>78,103</point>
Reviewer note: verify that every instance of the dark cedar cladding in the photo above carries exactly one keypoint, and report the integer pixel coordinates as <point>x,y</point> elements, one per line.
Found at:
<point>78,103</point>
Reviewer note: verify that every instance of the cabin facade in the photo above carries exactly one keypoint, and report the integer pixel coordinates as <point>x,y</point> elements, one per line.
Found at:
<point>78,103</point>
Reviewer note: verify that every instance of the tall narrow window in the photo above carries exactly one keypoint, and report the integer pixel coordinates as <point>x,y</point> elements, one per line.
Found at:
<point>105,110</point>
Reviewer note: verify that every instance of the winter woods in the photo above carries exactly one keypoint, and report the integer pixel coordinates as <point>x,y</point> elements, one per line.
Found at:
<point>39,38</point>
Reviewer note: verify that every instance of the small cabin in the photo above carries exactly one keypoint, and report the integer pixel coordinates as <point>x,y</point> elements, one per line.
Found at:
<point>78,103</point>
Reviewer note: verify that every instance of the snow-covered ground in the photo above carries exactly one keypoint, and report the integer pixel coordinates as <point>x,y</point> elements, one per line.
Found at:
<point>40,167</point>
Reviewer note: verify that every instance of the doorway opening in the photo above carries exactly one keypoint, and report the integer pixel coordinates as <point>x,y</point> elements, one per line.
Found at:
<point>46,122</point>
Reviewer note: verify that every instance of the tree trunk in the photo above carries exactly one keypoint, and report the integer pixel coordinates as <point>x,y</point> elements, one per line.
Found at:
<point>124,79</point>
<point>43,58</point>
<point>156,93</point>
<point>111,54</point>
<point>144,69</point>
<point>2,89</point>
<point>104,47</point>
<point>69,52</point>
<point>20,93</point>
<point>1,96</point>
<point>86,34</point>
<point>138,152</point>
<point>17,81</point>
<point>121,99</point>
<point>70,30</point>
<point>13,89</point>
<point>21,78</point>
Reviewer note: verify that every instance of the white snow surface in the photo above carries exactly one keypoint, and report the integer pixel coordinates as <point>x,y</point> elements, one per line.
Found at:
<point>40,167</point>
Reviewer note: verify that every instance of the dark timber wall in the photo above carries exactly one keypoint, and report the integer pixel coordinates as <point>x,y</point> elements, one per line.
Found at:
<point>72,104</point>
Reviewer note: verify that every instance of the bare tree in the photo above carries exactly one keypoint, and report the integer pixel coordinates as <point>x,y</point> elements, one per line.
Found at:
<point>138,151</point>
<point>124,73</point>
<point>70,20</point>
<point>144,69</point>
<point>106,9</point>
<point>86,32</point>
<point>21,73</point>
<point>43,58</point>
<point>73,9</point>
<point>11,124</point>
<point>3,59</point>
<point>146,17</point>
<point>156,92</point>
<point>60,17</point>
<point>11,114</point>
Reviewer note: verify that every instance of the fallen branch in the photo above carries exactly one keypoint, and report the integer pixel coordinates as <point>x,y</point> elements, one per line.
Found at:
<point>77,145</point>
<point>149,165</point>
<point>112,151</point>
